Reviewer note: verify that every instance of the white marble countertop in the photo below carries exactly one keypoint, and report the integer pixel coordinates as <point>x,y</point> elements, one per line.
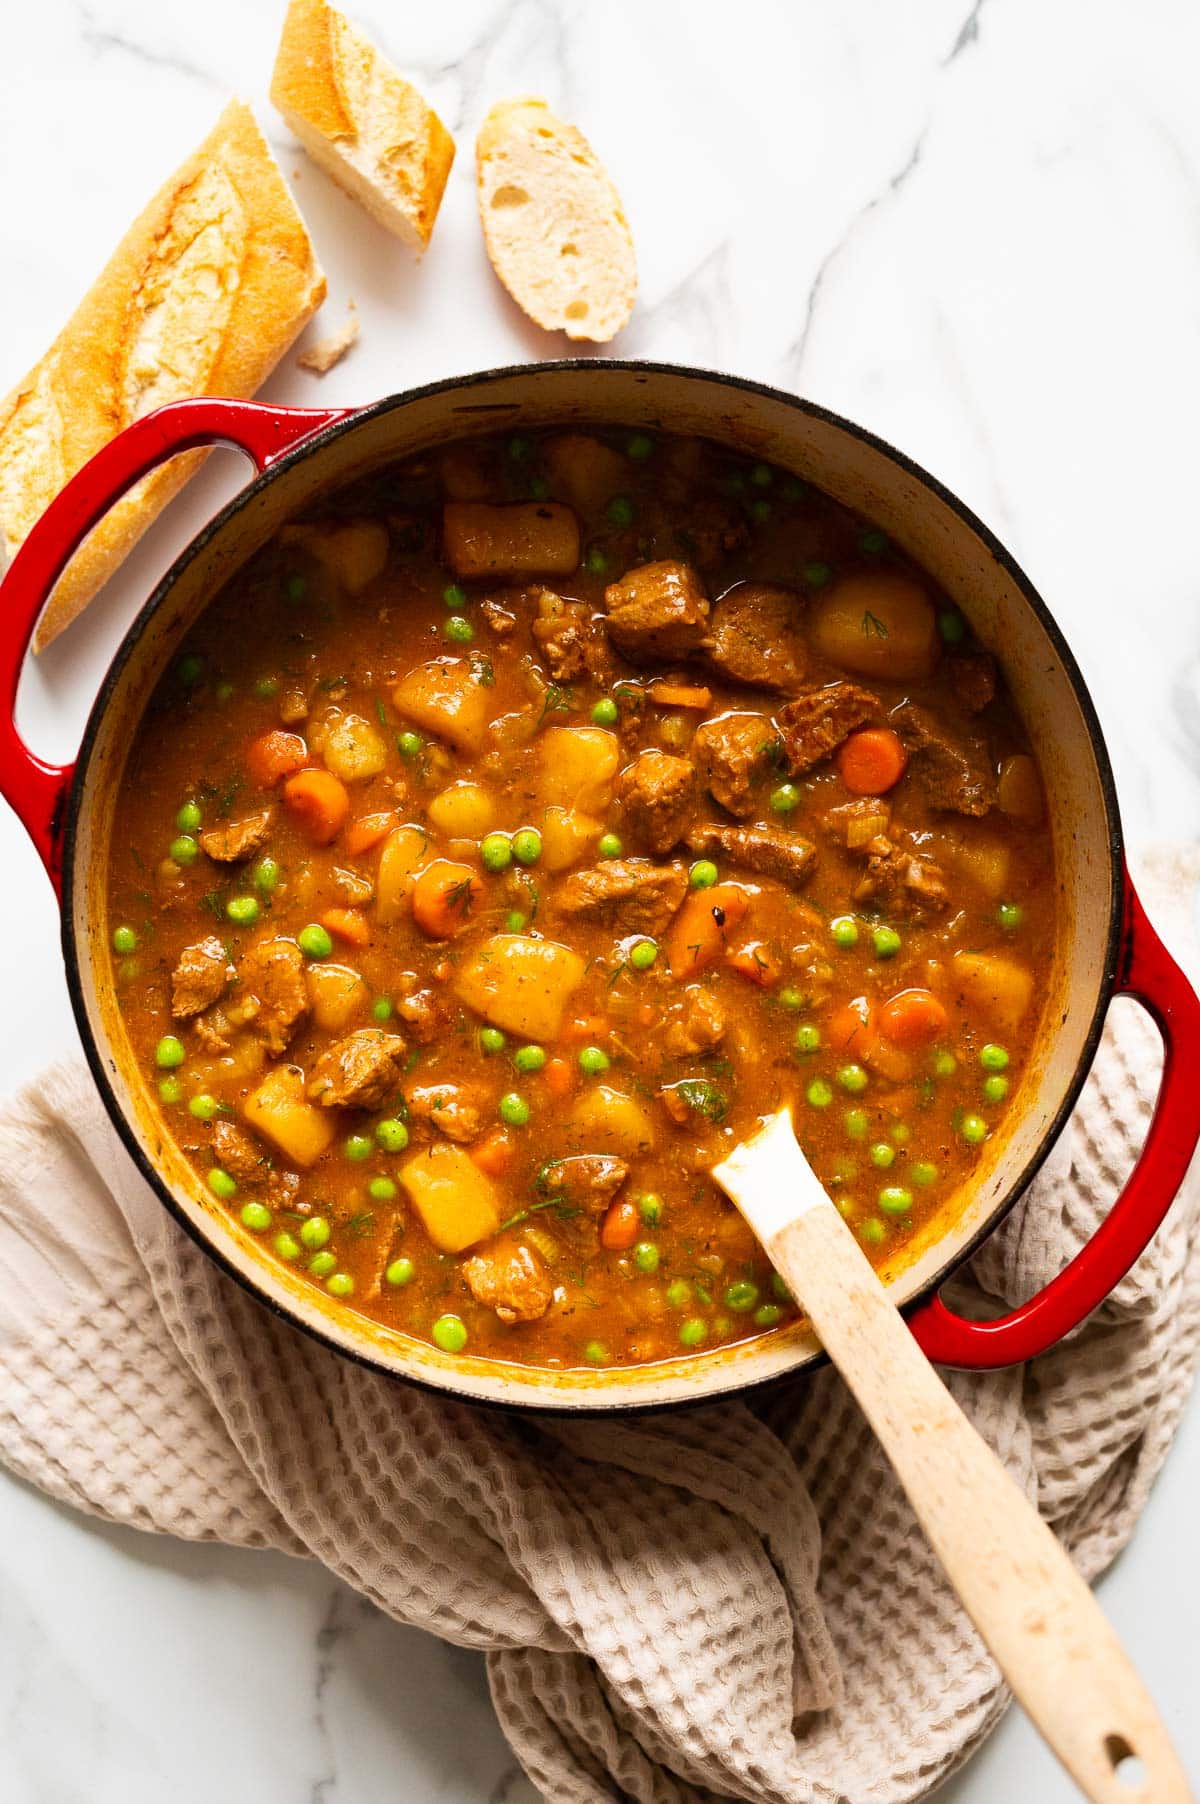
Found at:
<point>975,228</point>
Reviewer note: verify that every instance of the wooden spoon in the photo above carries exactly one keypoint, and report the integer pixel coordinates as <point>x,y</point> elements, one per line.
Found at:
<point>1048,1634</point>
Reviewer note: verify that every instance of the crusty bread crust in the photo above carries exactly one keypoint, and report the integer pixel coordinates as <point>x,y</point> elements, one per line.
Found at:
<point>553,222</point>
<point>361,121</point>
<point>202,296</point>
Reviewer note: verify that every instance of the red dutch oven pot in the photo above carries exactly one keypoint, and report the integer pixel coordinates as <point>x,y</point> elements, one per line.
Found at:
<point>1107,946</point>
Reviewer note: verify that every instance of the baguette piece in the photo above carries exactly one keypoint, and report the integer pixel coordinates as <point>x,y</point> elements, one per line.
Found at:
<point>553,222</point>
<point>202,296</point>
<point>361,121</point>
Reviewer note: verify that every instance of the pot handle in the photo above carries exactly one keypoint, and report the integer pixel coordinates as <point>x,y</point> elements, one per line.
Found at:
<point>37,791</point>
<point>1148,972</point>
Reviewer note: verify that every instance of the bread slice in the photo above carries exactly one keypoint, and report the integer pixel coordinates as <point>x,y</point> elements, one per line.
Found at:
<point>553,222</point>
<point>202,296</point>
<point>361,121</point>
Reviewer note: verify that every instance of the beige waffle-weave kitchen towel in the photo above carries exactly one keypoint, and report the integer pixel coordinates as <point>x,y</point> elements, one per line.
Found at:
<point>732,1602</point>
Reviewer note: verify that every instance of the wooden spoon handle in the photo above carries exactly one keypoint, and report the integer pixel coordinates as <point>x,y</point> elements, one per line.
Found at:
<point>1044,1627</point>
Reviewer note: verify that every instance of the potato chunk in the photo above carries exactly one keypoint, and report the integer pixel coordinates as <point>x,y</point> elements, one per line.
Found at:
<point>578,765</point>
<point>353,749</point>
<point>405,850</point>
<point>525,538</point>
<point>281,1112</point>
<point>566,837</point>
<point>879,624</point>
<point>464,811</point>
<point>608,1121</point>
<point>520,984</point>
<point>354,554</point>
<point>456,1202</point>
<point>446,699</point>
<point>336,992</point>
<point>997,986</point>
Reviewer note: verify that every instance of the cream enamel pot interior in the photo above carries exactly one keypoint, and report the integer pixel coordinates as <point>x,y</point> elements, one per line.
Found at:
<point>1106,946</point>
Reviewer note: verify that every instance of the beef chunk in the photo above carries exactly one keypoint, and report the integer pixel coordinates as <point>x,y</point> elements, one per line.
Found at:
<point>499,619</point>
<point>212,1032</point>
<point>199,978</point>
<point>768,851</point>
<point>456,1110</point>
<point>657,611</point>
<point>238,839</point>
<point>511,1280</point>
<point>352,887</point>
<point>659,793</point>
<point>955,770</point>
<point>590,1180</point>
<point>359,1072</point>
<point>631,895</point>
<point>815,722</point>
<point>241,1157</point>
<point>901,881</point>
<point>972,677</point>
<point>420,1011</point>
<point>733,753</point>
<point>694,1024</point>
<point>273,971</point>
<point>753,637</point>
<point>562,632</point>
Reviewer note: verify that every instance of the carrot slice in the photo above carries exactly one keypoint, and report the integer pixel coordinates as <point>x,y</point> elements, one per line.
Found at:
<point>757,963</point>
<point>912,1018</point>
<point>367,831</point>
<point>620,1226</point>
<point>494,1156</point>
<point>850,1028</point>
<point>680,695</point>
<point>697,935</point>
<point>349,924</point>
<point>274,755</point>
<point>872,761</point>
<point>443,896</point>
<point>320,803</point>
<point>558,1077</point>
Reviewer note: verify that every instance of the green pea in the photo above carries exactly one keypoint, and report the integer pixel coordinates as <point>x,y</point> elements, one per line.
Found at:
<point>188,817</point>
<point>741,1296</point>
<point>454,596</point>
<point>995,1088</point>
<point>265,876</point>
<point>169,1053</point>
<point>170,1089</point>
<point>807,1038</point>
<point>184,849</point>
<point>313,941</point>
<point>491,1040</point>
<point>792,489</point>
<point>340,1284</point>
<point>779,1286</point>
<point>819,1094</point>
<point>399,1273</point>
<point>610,846</point>
<point>223,691</point>
<point>952,626</point>
<point>845,1173</point>
<point>381,1190</point>
<point>321,1264</point>
<point>650,1207</point>
<point>872,542</point>
<point>944,1064</point>
<point>513,1109</point>
<point>242,910</point>
<point>900,1133</point>
<point>221,1184</point>
<point>449,1333</point>
<point>873,1231</point>
<point>923,1174</point>
<point>315,1233</point>
<point>539,488</point>
<point>646,1256</point>
<point>593,1060</point>
<point>785,799</point>
<point>527,845</point>
<point>605,712</point>
<point>595,562</point>
<point>1010,915</point>
<point>703,874</point>
<point>973,1129</point>
<point>189,670</point>
<point>882,1155</point>
<point>791,998</point>
<point>693,1332</point>
<point>887,942</point>
<point>458,629</point>
<point>265,687</point>
<point>855,1123</point>
<point>894,1199</point>
<point>639,447</point>
<point>257,1217</point>
<point>816,574</point>
<point>596,1353</point>
<point>381,1009</point>
<point>204,1107</point>
<point>391,1134</point>
<point>993,1057</point>
<point>287,1246</point>
<point>620,511</point>
<point>529,1058</point>
<point>852,1078</point>
<point>844,930</point>
<point>679,1293</point>
<point>124,940</point>
<point>643,954</point>
<point>514,920</point>
<point>496,851</point>
<point>760,510</point>
<point>295,588</point>
<point>768,1315</point>
<point>409,744</point>
<point>518,451</point>
<point>761,476</point>
<point>357,1148</point>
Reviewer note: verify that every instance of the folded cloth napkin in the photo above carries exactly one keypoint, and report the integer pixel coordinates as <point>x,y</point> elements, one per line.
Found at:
<point>724,1602</point>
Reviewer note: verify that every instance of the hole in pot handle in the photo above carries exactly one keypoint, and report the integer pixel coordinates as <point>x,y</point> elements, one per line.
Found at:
<point>1148,973</point>
<point>37,791</point>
